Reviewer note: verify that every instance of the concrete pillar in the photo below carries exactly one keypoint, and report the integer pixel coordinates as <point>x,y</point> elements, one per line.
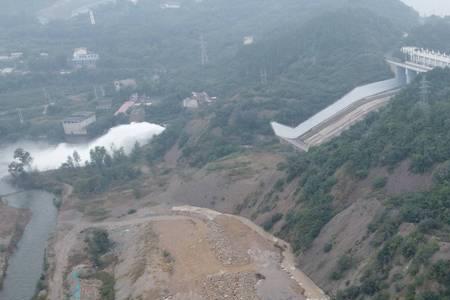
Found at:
<point>400,74</point>
<point>410,75</point>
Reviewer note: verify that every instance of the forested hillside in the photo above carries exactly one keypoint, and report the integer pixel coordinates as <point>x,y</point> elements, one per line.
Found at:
<point>413,128</point>
<point>305,64</point>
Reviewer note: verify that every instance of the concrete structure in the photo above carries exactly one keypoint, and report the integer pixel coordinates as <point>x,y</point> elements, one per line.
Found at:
<point>197,100</point>
<point>248,40</point>
<point>417,61</point>
<point>355,105</point>
<point>134,108</point>
<point>170,5</point>
<point>84,58</point>
<point>124,84</point>
<point>12,56</point>
<point>6,71</point>
<point>125,108</point>
<point>78,123</point>
<point>339,116</point>
<point>104,105</point>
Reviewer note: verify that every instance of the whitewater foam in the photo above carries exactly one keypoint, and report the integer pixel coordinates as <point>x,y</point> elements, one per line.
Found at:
<point>47,157</point>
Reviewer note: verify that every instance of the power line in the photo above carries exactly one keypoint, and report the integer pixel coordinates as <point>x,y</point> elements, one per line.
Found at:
<point>204,51</point>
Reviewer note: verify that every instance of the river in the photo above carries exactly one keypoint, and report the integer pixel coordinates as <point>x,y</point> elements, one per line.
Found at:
<point>26,264</point>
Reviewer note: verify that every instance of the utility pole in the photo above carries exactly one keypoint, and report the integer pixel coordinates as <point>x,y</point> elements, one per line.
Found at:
<point>19,111</point>
<point>47,96</point>
<point>102,89</point>
<point>95,93</point>
<point>263,76</point>
<point>204,51</point>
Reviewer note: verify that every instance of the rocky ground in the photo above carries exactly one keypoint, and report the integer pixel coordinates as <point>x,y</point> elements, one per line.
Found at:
<point>12,224</point>
<point>183,253</point>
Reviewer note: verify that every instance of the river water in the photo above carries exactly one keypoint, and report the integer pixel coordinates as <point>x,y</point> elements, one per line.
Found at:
<point>26,264</point>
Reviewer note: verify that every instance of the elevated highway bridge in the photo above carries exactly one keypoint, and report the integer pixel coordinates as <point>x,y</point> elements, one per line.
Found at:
<point>354,106</point>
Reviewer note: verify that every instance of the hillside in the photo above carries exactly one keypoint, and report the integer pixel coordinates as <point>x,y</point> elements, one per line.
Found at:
<point>305,69</point>
<point>143,42</point>
<point>367,214</point>
<point>373,203</point>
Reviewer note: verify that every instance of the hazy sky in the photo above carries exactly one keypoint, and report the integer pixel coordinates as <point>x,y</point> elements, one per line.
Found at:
<point>429,7</point>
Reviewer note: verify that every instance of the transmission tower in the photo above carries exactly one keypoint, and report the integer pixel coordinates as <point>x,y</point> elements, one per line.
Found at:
<point>424,89</point>
<point>204,51</point>
<point>92,17</point>
<point>19,111</point>
<point>47,96</point>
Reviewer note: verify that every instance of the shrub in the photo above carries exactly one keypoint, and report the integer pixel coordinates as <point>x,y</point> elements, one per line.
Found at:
<point>107,291</point>
<point>268,225</point>
<point>379,183</point>
<point>328,246</point>
<point>98,244</point>
<point>344,264</point>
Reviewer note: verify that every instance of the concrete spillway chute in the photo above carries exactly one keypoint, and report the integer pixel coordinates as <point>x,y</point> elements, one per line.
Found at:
<point>354,106</point>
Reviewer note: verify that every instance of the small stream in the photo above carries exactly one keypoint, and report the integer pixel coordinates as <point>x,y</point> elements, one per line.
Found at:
<point>26,263</point>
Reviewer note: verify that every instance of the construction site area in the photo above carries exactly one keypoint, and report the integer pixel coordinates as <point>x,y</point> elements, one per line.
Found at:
<point>188,253</point>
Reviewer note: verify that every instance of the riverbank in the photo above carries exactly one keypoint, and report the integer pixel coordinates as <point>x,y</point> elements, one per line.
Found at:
<point>13,222</point>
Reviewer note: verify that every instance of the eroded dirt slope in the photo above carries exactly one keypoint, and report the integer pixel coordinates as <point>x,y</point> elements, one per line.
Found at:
<point>183,253</point>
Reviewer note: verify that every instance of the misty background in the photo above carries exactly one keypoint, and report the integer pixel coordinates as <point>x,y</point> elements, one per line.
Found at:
<point>430,7</point>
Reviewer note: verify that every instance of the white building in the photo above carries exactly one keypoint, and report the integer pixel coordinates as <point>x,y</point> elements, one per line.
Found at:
<point>170,5</point>
<point>77,124</point>
<point>12,56</point>
<point>248,40</point>
<point>198,99</point>
<point>83,58</point>
<point>124,84</point>
<point>6,71</point>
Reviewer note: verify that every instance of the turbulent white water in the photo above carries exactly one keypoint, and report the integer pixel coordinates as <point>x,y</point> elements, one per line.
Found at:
<point>46,157</point>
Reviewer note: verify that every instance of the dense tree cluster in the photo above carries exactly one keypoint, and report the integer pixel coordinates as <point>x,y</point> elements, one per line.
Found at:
<point>101,171</point>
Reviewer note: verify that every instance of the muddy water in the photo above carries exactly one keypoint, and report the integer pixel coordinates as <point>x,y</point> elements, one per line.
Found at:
<point>26,264</point>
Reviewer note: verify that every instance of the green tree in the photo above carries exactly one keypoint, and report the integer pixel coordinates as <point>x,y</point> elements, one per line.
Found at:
<point>21,163</point>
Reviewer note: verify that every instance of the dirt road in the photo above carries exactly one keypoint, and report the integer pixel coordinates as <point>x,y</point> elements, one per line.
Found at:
<point>68,236</point>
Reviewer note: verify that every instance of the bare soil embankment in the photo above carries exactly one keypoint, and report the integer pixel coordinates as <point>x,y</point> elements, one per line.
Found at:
<point>184,253</point>
<point>12,224</point>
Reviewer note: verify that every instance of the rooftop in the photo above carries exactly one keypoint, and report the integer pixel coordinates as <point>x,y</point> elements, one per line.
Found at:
<point>79,116</point>
<point>125,107</point>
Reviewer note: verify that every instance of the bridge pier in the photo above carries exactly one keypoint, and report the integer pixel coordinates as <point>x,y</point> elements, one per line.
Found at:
<point>410,75</point>
<point>401,74</point>
<point>405,75</point>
